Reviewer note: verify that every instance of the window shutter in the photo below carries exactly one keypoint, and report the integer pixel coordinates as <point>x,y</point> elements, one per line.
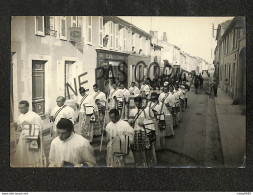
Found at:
<point>101,31</point>
<point>73,21</point>
<point>116,36</point>
<point>89,29</point>
<point>111,34</point>
<point>63,28</point>
<point>39,25</point>
<point>124,40</point>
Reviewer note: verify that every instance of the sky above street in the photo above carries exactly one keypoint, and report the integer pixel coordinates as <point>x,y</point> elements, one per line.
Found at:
<point>192,34</point>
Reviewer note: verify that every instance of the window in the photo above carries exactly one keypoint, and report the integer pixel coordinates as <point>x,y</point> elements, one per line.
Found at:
<point>111,34</point>
<point>225,72</point>
<point>73,21</point>
<point>80,24</point>
<point>89,29</point>
<point>39,25</point>
<point>134,40</point>
<point>140,42</point>
<point>116,36</point>
<point>124,39</point>
<point>50,26</point>
<point>63,28</point>
<point>229,75</point>
<point>101,31</point>
<point>234,39</point>
<point>70,74</point>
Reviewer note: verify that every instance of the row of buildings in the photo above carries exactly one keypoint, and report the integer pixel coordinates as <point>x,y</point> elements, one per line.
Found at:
<point>55,55</point>
<point>230,58</point>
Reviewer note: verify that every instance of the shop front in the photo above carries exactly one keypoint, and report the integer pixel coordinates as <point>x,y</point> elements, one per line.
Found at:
<point>111,66</point>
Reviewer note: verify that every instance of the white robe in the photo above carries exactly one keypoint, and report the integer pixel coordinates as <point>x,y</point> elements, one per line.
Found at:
<point>23,156</point>
<point>30,117</point>
<point>141,118</point>
<point>134,91</point>
<point>66,112</point>
<point>171,100</point>
<point>114,93</point>
<point>76,150</point>
<point>161,96</point>
<point>101,97</point>
<point>178,94</point>
<point>88,101</point>
<point>125,93</point>
<point>118,129</point>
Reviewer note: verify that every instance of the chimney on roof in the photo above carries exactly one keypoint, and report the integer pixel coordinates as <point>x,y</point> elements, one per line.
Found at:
<point>164,36</point>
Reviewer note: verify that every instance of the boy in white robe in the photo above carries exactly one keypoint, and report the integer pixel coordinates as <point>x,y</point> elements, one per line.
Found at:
<point>118,127</point>
<point>100,100</point>
<point>143,148</point>
<point>70,148</point>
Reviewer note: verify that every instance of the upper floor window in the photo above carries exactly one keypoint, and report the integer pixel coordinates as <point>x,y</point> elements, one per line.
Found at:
<point>111,26</point>
<point>89,29</point>
<point>50,27</point>
<point>124,39</point>
<point>74,20</point>
<point>39,25</point>
<point>116,36</point>
<point>63,28</point>
<point>100,31</point>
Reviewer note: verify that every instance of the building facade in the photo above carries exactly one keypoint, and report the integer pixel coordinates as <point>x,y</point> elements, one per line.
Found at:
<point>231,61</point>
<point>55,55</point>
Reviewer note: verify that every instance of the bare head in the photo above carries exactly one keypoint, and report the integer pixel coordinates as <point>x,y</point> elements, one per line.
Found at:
<point>60,101</point>
<point>23,106</point>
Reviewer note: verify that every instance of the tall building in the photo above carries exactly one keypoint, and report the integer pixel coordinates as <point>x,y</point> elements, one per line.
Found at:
<point>55,55</point>
<point>230,58</point>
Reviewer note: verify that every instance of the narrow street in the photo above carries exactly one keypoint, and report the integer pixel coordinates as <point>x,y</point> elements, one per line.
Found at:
<point>196,142</point>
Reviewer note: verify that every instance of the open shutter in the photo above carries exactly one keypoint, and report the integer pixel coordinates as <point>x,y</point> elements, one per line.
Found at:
<point>39,25</point>
<point>63,28</point>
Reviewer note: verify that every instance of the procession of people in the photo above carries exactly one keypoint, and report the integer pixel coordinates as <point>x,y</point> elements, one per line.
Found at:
<point>133,124</point>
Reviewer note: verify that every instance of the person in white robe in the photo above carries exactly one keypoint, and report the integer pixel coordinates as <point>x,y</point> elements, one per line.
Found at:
<point>24,156</point>
<point>122,130</point>
<point>100,100</point>
<point>178,95</point>
<point>134,92</point>
<point>170,102</point>
<point>145,90</point>
<point>125,93</point>
<point>70,148</point>
<point>87,110</point>
<point>61,111</point>
<point>182,97</point>
<point>115,92</point>
<point>157,112</point>
<point>167,100</point>
<point>143,147</point>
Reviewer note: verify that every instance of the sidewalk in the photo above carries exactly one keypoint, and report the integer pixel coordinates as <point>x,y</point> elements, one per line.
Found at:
<point>232,126</point>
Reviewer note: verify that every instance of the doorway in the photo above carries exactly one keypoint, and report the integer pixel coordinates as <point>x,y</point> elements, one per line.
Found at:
<point>38,87</point>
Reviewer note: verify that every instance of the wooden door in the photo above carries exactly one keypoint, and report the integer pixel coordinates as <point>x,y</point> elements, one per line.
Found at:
<point>38,87</point>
